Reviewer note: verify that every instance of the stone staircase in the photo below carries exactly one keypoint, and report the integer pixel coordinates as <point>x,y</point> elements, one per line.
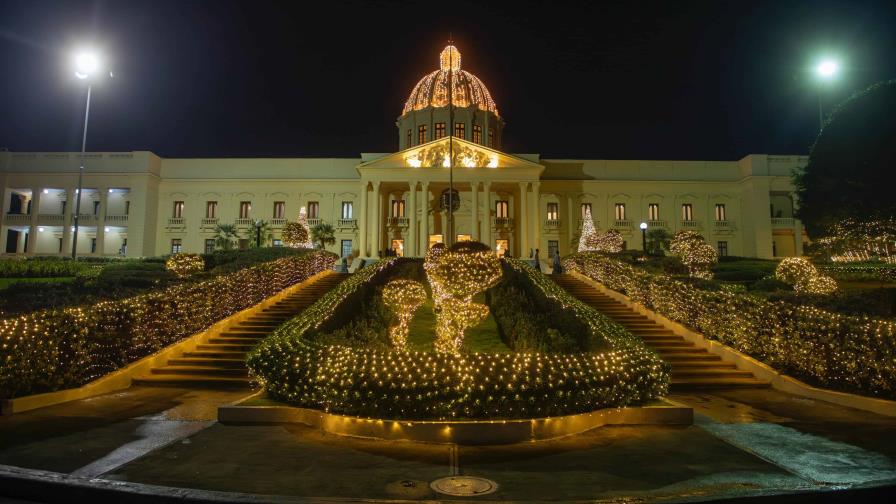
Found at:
<point>221,361</point>
<point>693,368</point>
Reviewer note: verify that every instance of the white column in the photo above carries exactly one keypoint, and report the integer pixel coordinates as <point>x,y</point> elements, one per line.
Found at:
<point>378,222</point>
<point>538,219</point>
<point>487,216</point>
<point>101,222</point>
<point>424,218</point>
<point>32,231</point>
<point>523,238</point>
<point>474,211</point>
<point>362,222</point>
<point>411,245</point>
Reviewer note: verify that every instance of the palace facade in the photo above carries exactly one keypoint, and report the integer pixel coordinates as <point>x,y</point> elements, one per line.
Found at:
<point>139,204</point>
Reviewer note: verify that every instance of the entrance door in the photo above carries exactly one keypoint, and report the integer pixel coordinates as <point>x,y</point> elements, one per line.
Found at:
<point>12,241</point>
<point>346,248</point>
<point>398,247</point>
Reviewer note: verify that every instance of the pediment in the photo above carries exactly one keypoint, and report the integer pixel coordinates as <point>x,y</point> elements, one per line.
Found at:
<point>434,154</point>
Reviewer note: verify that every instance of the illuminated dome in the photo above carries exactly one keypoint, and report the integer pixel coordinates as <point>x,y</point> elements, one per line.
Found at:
<point>432,90</point>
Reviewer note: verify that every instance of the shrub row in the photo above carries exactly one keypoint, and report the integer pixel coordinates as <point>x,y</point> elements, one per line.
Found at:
<point>60,348</point>
<point>380,383</point>
<point>829,349</point>
<point>880,273</point>
<point>40,268</point>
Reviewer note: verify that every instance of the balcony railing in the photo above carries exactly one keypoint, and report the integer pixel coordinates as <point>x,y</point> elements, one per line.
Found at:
<point>690,224</point>
<point>656,224</point>
<point>723,224</point>
<point>619,223</point>
<point>210,222</point>
<point>51,218</point>
<point>244,222</point>
<point>782,222</point>
<point>176,222</point>
<point>502,222</point>
<point>18,218</point>
<point>314,222</point>
<point>347,223</point>
<point>397,221</point>
<point>87,219</point>
<point>117,218</point>
<point>552,223</point>
<point>278,222</point>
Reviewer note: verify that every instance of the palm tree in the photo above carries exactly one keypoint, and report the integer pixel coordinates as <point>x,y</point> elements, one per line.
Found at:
<point>225,236</point>
<point>262,226</point>
<point>323,234</point>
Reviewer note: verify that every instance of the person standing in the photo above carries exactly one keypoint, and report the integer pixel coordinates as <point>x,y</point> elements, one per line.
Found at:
<point>537,261</point>
<point>557,266</point>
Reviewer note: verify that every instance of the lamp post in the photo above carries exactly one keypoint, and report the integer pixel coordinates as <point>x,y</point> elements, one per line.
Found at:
<point>87,64</point>
<point>826,71</point>
<point>257,233</point>
<point>644,237</point>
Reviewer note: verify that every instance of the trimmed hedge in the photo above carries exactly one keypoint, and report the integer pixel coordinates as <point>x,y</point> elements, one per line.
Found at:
<point>394,384</point>
<point>61,348</point>
<point>41,268</point>
<point>829,349</point>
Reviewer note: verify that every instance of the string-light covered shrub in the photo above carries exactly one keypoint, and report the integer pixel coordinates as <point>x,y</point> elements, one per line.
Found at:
<point>60,348</point>
<point>804,277</point>
<point>456,275</point>
<point>403,297</point>
<point>372,382</point>
<point>854,241</point>
<point>184,265</point>
<point>295,235</point>
<point>854,353</point>
<point>860,272</point>
<point>697,255</point>
<point>588,237</point>
<point>610,242</point>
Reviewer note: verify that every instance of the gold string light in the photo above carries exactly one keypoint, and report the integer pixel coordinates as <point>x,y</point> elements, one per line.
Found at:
<point>185,264</point>
<point>697,255</point>
<point>403,297</point>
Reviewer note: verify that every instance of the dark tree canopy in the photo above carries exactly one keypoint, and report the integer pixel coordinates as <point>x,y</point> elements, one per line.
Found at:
<point>851,164</point>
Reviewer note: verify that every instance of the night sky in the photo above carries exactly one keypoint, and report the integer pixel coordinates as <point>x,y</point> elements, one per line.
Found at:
<point>614,80</point>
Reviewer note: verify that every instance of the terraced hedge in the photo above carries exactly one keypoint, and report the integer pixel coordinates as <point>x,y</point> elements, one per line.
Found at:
<point>430,385</point>
<point>844,352</point>
<point>55,349</point>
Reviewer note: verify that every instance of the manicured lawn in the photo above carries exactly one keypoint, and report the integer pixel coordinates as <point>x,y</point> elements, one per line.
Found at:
<point>481,338</point>
<point>6,282</point>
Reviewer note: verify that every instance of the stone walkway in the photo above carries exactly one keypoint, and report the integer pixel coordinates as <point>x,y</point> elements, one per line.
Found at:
<point>744,442</point>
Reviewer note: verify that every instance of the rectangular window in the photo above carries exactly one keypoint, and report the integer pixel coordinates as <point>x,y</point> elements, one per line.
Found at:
<point>553,211</point>
<point>245,208</point>
<point>491,137</point>
<point>211,209</point>
<point>176,246</point>
<point>460,130</point>
<point>209,245</point>
<point>687,212</point>
<point>440,130</point>
<point>553,248</point>
<point>278,242</point>
<point>501,209</point>
<point>723,248</point>
<point>421,134</point>
<point>96,208</point>
<point>313,209</point>
<point>586,209</point>
<point>720,212</point>
<point>620,211</point>
<point>477,134</point>
<point>347,210</point>
<point>409,139</point>
<point>279,209</point>
<point>653,211</point>
<point>93,245</point>
<point>397,208</point>
<point>178,210</point>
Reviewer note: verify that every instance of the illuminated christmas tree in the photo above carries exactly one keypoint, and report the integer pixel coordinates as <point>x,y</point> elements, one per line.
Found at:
<point>297,234</point>
<point>589,235</point>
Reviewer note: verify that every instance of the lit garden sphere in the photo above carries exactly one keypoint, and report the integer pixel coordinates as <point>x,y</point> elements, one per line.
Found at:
<point>827,68</point>
<point>643,225</point>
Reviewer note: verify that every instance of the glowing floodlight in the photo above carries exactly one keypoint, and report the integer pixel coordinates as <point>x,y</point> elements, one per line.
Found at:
<point>86,64</point>
<point>827,69</point>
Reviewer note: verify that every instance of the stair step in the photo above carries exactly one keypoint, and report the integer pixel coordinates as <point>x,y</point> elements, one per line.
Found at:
<point>657,345</point>
<point>675,358</point>
<point>216,354</point>
<point>208,361</point>
<point>716,383</point>
<point>218,340</point>
<point>685,365</point>
<point>688,373</point>
<point>201,370</point>
<point>200,381</point>
<point>224,347</point>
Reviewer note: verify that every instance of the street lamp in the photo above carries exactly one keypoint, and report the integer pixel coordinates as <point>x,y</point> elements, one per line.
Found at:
<point>826,70</point>
<point>258,225</point>
<point>86,66</point>
<point>643,227</point>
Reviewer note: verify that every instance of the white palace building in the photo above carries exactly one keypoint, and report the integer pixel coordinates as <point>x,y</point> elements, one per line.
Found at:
<point>139,204</point>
